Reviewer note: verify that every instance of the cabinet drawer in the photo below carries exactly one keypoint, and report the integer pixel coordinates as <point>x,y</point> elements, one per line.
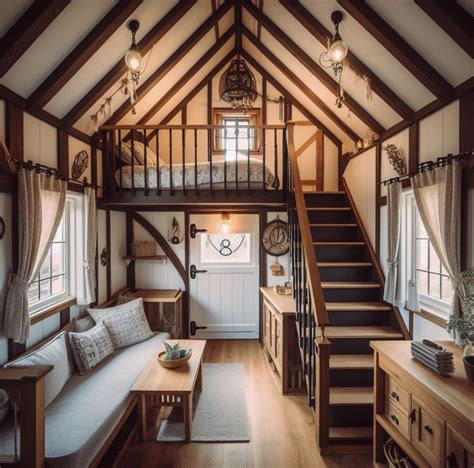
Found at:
<point>399,420</point>
<point>397,394</point>
<point>267,325</point>
<point>428,434</point>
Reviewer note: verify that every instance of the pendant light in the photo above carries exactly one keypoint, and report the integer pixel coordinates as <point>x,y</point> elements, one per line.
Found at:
<point>238,85</point>
<point>133,59</point>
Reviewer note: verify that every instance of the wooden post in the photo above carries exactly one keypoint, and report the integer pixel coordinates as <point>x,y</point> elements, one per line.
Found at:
<point>323,351</point>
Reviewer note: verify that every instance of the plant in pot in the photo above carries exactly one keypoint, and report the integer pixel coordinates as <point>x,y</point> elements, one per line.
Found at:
<point>174,355</point>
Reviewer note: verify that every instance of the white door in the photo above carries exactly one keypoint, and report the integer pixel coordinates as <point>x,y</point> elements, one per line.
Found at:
<point>225,288</point>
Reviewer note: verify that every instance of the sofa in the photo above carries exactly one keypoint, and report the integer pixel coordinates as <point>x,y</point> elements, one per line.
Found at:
<point>82,418</point>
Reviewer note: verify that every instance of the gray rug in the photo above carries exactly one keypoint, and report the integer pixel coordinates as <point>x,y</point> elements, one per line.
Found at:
<point>220,410</point>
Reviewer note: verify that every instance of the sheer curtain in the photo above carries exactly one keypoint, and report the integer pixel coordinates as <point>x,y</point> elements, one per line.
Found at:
<point>41,200</point>
<point>394,199</point>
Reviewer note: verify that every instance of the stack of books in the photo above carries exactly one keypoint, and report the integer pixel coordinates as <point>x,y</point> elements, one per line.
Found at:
<point>433,356</point>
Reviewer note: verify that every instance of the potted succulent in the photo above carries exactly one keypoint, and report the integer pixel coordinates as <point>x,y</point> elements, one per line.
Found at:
<point>173,355</point>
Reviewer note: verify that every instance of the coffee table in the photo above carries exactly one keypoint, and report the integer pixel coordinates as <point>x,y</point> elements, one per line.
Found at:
<point>170,387</point>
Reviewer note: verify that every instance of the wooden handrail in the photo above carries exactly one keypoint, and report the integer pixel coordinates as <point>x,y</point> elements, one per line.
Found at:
<point>314,280</point>
<point>185,127</point>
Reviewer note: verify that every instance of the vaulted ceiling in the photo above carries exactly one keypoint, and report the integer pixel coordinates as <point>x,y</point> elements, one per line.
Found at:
<point>64,57</point>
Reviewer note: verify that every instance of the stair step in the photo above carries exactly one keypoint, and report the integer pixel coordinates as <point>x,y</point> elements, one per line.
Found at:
<point>328,208</point>
<point>349,285</point>
<point>356,306</point>
<point>333,225</point>
<point>346,433</point>
<point>374,333</point>
<point>351,396</point>
<point>351,361</point>
<point>343,264</point>
<point>321,192</point>
<point>336,243</point>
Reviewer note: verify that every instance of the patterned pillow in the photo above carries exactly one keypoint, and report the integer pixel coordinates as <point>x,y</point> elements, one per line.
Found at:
<point>126,323</point>
<point>90,348</point>
<point>139,153</point>
<point>83,324</point>
<point>55,353</point>
<point>123,299</point>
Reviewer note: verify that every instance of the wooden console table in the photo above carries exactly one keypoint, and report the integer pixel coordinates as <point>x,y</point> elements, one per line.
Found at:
<point>164,309</point>
<point>430,417</point>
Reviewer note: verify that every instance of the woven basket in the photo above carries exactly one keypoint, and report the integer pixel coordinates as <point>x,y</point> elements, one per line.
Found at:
<point>143,248</point>
<point>396,457</point>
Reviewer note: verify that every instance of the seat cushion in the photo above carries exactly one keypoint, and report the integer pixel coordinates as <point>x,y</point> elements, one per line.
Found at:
<point>89,407</point>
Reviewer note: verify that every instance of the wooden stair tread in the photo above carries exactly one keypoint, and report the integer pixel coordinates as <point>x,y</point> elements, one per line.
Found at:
<point>333,224</point>
<point>337,433</point>
<point>338,243</point>
<point>328,208</point>
<point>344,264</point>
<point>362,332</point>
<point>351,395</point>
<point>351,361</point>
<point>356,306</point>
<point>321,192</point>
<point>349,285</point>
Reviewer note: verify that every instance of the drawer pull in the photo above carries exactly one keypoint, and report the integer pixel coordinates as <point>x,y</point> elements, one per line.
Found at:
<point>452,462</point>
<point>394,395</point>
<point>413,416</point>
<point>428,430</point>
<point>394,418</point>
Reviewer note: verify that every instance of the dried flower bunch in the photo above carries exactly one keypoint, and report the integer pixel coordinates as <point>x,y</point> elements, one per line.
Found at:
<point>396,159</point>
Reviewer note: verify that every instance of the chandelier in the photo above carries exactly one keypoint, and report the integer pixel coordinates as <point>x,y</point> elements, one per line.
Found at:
<point>334,56</point>
<point>238,85</point>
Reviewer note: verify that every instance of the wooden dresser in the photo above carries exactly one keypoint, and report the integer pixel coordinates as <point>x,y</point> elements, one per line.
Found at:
<point>279,341</point>
<point>430,417</point>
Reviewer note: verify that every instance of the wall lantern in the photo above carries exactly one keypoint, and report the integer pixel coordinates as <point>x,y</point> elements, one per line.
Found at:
<point>238,85</point>
<point>133,59</point>
<point>225,222</point>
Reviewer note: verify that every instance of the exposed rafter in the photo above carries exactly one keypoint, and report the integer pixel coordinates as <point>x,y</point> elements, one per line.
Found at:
<point>319,32</point>
<point>454,20</point>
<point>312,66</point>
<point>397,46</point>
<point>82,52</point>
<point>27,29</point>
<point>120,68</point>
<point>171,62</point>
<point>299,83</point>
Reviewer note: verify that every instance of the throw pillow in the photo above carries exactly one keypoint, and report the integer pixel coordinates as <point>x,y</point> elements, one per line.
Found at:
<point>122,299</point>
<point>83,324</point>
<point>126,323</point>
<point>90,348</point>
<point>139,153</point>
<point>55,353</point>
<point>4,405</point>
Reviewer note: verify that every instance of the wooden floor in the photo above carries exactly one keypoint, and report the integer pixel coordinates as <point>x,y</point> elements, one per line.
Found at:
<point>282,428</point>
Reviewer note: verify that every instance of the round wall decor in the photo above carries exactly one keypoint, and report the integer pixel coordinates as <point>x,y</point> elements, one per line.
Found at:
<point>275,238</point>
<point>80,164</point>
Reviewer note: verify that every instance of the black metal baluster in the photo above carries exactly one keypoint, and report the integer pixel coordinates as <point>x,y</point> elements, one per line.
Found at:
<point>237,156</point>
<point>120,160</point>
<point>275,144</point>
<point>171,161</point>
<point>248,157</point>
<point>183,144</point>
<point>264,146</point>
<point>209,149</point>
<point>113,162</point>
<point>225,164</point>
<point>157,145</point>
<point>133,163</point>
<point>195,162</point>
<point>145,173</point>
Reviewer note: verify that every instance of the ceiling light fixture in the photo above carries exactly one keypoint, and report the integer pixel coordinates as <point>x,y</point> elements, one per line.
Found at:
<point>133,59</point>
<point>238,85</point>
<point>335,54</point>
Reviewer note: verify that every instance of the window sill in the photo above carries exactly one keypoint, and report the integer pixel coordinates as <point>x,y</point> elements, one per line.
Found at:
<point>52,309</point>
<point>432,317</point>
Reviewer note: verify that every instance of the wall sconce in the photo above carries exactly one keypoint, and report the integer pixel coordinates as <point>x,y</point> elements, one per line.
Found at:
<point>335,54</point>
<point>225,222</point>
<point>133,59</point>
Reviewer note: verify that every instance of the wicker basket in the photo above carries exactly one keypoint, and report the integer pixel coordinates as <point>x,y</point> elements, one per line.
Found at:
<point>396,457</point>
<point>143,248</point>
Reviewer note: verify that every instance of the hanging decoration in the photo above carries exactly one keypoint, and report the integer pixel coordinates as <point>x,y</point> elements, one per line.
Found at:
<point>396,159</point>
<point>174,234</point>
<point>277,268</point>
<point>104,257</point>
<point>225,247</point>
<point>81,161</point>
<point>238,85</point>
<point>275,238</point>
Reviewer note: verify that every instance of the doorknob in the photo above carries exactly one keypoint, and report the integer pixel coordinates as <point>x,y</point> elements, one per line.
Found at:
<point>194,271</point>
<point>193,328</point>
<point>193,230</point>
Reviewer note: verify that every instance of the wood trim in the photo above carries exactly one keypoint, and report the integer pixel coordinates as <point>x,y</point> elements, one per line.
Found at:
<point>319,32</point>
<point>129,236</point>
<point>259,25</point>
<point>187,302</point>
<point>378,167</point>
<point>431,317</point>
<point>27,29</point>
<point>320,160</point>
<point>172,61</point>
<point>238,24</point>
<point>14,132</point>
<point>413,147</point>
<point>262,222</point>
<point>299,83</point>
<point>108,244</point>
<point>397,46</point>
<point>209,101</point>
<point>82,52</point>
<point>216,25</point>
<point>52,310</point>
<point>198,208</point>
<point>325,78</point>
<point>63,152</point>
<point>453,19</point>
<point>64,317</point>
<point>264,99</point>
<point>120,68</point>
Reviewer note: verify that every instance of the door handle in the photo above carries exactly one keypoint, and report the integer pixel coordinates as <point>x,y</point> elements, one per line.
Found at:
<point>193,328</point>
<point>194,271</point>
<point>193,230</point>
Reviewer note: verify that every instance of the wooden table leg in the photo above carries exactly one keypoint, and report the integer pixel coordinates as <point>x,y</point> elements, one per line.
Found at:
<point>142,417</point>
<point>199,379</point>
<point>188,416</point>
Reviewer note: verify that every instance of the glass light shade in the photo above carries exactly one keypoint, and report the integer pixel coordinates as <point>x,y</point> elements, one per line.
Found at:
<point>133,59</point>
<point>337,51</point>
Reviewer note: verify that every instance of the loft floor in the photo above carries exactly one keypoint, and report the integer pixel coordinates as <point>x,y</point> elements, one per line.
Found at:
<point>282,427</point>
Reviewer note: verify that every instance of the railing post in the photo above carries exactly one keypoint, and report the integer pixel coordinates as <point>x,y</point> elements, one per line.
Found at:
<point>323,352</point>
<point>105,164</point>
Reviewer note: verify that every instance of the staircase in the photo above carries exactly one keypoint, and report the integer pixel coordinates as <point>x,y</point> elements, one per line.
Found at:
<point>338,289</point>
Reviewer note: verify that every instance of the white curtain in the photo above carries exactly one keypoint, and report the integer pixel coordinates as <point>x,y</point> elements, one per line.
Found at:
<point>41,200</point>
<point>438,199</point>
<point>90,245</point>
<point>394,199</point>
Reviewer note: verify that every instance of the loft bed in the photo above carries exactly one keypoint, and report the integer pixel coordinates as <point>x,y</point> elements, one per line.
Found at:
<point>193,164</point>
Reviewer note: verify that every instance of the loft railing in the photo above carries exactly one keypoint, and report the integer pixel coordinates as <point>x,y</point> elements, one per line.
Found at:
<point>311,313</point>
<point>191,158</point>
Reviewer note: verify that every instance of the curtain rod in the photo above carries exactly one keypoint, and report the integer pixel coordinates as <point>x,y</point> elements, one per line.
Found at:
<point>50,171</point>
<point>428,165</point>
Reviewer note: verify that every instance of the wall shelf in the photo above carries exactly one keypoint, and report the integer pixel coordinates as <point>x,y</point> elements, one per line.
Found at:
<point>156,258</point>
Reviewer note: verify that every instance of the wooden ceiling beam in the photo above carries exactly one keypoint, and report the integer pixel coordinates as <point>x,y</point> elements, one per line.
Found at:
<point>83,52</point>
<point>397,46</point>
<point>453,19</point>
<point>27,29</point>
<point>299,83</point>
<point>319,32</point>
<point>312,66</point>
<point>287,95</point>
<point>120,68</point>
<point>171,62</point>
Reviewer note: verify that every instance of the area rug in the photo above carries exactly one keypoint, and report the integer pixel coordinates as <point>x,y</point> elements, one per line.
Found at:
<point>220,410</point>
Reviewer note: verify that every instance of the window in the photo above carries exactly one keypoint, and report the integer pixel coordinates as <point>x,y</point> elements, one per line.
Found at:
<point>225,249</point>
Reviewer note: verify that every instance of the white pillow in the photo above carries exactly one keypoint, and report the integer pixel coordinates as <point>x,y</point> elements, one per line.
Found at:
<point>55,353</point>
<point>139,152</point>
<point>126,323</point>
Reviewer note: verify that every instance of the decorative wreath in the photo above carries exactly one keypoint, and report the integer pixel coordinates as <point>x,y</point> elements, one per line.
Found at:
<point>275,238</point>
